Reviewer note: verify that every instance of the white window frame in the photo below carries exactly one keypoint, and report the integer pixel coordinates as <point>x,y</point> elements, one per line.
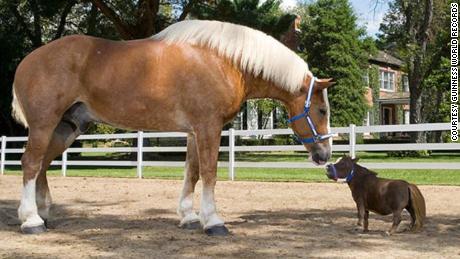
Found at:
<point>406,116</point>
<point>366,78</point>
<point>405,83</point>
<point>387,78</point>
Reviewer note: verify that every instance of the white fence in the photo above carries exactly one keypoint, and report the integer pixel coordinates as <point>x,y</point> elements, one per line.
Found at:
<point>351,147</point>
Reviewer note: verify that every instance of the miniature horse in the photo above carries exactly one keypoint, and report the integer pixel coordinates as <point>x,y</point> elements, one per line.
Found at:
<point>382,196</point>
<point>191,77</point>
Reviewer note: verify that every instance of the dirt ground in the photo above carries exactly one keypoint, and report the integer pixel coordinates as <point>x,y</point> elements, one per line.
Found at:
<point>131,218</point>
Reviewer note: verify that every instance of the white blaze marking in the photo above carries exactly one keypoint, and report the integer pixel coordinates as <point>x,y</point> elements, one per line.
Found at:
<point>326,101</point>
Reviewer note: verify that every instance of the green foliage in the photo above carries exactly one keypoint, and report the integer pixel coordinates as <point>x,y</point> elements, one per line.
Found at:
<point>373,72</point>
<point>436,97</point>
<point>409,153</point>
<point>336,47</point>
<point>26,25</point>
<point>266,16</point>
<point>102,129</point>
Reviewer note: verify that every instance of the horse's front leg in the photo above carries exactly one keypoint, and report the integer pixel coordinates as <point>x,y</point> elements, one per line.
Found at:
<point>361,214</point>
<point>189,219</point>
<point>208,142</point>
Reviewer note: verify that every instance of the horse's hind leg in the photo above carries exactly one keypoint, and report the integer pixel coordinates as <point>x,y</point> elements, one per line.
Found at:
<point>189,219</point>
<point>32,163</point>
<point>396,222</point>
<point>412,216</point>
<point>74,122</point>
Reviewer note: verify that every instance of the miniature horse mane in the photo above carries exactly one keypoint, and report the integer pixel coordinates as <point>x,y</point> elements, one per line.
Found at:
<point>251,50</point>
<point>363,170</point>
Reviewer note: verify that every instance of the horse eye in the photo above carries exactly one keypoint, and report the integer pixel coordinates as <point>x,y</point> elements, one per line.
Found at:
<point>323,111</point>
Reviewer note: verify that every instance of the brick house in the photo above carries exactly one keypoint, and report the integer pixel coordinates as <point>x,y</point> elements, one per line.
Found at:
<point>391,104</point>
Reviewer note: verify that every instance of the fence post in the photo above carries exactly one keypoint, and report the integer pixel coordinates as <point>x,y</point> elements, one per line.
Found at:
<point>231,154</point>
<point>2,159</point>
<point>352,140</point>
<point>140,145</point>
<point>64,163</point>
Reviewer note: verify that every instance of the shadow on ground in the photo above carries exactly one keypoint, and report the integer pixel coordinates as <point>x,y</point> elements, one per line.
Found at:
<point>254,234</point>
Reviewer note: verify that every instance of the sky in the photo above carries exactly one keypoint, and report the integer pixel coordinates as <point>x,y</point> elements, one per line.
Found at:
<point>365,11</point>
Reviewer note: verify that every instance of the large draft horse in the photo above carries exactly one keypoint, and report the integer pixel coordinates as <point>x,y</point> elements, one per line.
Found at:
<point>191,77</point>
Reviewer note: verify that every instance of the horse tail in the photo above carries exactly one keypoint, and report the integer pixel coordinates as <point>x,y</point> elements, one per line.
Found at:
<point>417,202</point>
<point>17,111</point>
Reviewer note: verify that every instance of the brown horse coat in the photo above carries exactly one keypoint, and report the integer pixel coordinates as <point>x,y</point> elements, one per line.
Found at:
<point>156,84</point>
<point>379,195</point>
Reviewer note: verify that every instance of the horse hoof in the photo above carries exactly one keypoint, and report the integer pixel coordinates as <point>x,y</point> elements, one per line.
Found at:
<point>216,231</point>
<point>34,230</point>
<point>46,223</point>
<point>191,225</point>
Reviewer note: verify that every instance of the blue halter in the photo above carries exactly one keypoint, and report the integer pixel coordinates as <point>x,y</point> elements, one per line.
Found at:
<point>349,176</point>
<point>306,114</point>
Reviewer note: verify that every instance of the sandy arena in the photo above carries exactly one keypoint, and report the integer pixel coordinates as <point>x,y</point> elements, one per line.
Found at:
<point>131,218</point>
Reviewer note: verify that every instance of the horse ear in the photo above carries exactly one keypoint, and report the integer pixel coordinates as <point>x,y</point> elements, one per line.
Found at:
<point>324,83</point>
<point>355,160</point>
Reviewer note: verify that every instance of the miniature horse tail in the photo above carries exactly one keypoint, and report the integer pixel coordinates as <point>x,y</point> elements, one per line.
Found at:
<point>417,202</point>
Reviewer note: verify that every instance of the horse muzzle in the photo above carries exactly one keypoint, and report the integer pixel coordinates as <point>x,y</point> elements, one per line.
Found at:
<point>331,173</point>
<point>320,153</point>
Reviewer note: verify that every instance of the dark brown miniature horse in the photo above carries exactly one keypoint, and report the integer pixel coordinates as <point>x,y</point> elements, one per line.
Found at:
<point>382,196</point>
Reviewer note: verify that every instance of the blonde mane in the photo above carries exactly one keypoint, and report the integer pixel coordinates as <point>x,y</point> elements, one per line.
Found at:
<point>253,51</point>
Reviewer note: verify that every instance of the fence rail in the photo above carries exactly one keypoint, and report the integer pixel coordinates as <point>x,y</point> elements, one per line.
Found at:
<point>351,147</point>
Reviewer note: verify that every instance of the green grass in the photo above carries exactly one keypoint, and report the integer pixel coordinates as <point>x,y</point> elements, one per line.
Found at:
<point>369,157</point>
<point>426,177</point>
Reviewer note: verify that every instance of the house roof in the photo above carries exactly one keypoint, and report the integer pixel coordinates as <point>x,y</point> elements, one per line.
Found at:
<point>384,57</point>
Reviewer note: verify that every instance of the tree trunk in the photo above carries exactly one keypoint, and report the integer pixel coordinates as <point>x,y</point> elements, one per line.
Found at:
<point>415,108</point>
<point>417,71</point>
<point>92,21</point>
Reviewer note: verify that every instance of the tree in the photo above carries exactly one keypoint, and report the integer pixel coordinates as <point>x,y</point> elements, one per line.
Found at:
<point>143,18</point>
<point>417,30</point>
<point>24,26</point>
<point>334,46</point>
<point>265,16</point>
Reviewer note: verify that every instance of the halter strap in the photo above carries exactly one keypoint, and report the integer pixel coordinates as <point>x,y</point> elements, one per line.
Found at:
<point>306,114</point>
<point>350,175</point>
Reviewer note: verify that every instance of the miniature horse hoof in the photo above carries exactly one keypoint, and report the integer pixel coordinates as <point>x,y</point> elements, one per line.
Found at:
<point>191,225</point>
<point>34,230</point>
<point>216,231</point>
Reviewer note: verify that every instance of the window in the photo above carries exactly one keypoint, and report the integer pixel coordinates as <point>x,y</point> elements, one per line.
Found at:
<point>405,83</point>
<point>406,117</point>
<point>387,80</point>
<point>366,79</point>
